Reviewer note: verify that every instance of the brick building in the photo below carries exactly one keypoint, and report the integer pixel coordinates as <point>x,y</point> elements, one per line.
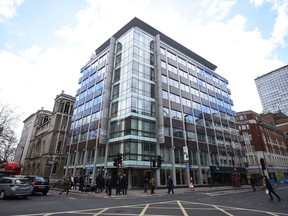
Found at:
<point>279,119</point>
<point>263,139</point>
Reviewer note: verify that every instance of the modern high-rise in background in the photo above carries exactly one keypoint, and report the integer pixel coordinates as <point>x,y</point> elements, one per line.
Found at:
<point>273,90</point>
<point>147,100</point>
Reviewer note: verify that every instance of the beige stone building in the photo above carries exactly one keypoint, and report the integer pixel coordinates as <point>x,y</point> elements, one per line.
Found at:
<point>46,152</point>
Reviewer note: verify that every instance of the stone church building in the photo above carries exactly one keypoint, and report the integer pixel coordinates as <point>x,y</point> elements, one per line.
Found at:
<point>46,152</point>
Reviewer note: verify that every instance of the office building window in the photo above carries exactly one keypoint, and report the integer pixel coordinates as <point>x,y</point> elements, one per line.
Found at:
<point>171,55</point>
<point>163,51</point>
<point>163,64</point>
<point>164,79</point>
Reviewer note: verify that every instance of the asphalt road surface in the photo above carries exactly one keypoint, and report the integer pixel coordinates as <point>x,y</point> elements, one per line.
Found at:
<point>204,203</point>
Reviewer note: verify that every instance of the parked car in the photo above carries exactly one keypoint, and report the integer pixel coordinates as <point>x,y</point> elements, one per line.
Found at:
<point>40,184</point>
<point>15,186</point>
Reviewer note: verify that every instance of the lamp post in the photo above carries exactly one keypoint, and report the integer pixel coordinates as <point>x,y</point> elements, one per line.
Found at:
<point>186,150</point>
<point>265,165</point>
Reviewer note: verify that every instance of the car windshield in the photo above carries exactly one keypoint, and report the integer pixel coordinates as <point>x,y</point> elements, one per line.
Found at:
<point>22,181</point>
<point>40,179</point>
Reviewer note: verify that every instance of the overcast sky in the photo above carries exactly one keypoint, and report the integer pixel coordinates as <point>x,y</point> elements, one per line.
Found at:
<point>44,43</point>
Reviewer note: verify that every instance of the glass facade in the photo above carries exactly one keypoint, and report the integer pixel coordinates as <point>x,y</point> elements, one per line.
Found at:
<point>143,95</point>
<point>273,91</point>
<point>133,111</point>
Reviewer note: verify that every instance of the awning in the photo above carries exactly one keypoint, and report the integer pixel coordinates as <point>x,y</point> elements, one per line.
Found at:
<point>218,169</point>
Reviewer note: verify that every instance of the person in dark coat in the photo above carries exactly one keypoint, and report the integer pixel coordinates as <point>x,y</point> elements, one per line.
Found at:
<point>170,185</point>
<point>81,183</point>
<point>252,182</point>
<point>145,182</point>
<point>109,183</point>
<point>270,189</point>
<point>124,184</point>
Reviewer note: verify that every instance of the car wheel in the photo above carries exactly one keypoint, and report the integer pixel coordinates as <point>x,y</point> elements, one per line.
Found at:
<point>45,193</point>
<point>2,195</point>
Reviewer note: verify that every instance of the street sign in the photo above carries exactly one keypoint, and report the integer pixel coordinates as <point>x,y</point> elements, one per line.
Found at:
<point>185,154</point>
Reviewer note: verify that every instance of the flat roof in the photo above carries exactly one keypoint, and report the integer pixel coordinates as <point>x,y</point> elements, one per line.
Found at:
<point>271,72</point>
<point>135,22</point>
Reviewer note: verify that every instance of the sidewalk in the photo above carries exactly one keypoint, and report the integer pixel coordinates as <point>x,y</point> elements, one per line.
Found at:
<point>161,191</point>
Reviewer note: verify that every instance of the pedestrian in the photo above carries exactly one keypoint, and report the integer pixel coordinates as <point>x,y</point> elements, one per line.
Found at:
<point>109,185</point>
<point>98,183</point>
<point>75,182</point>
<point>270,189</point>
<point>153,184</point>
<point>210,181</point>
<point>81,183</point>
<point>145,182</point>
<point>118,188</point>
<point>170,185</point>
<point>105,182</point>
<point>67,186</point>
<point>191,184</point>
<point>124,184</point>
<point>252,182</point>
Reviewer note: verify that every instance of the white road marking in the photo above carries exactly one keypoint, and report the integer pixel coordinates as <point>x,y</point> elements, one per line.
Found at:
<point>169,205</point>
<point>222,210</point>
<point>144,210</point>
<point>221,193</point>
<point>182,209</point>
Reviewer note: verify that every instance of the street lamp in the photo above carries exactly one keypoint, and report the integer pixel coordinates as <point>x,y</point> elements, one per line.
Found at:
<point>186,150</point>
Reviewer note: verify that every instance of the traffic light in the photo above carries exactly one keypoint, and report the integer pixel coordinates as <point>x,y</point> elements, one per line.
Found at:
<point>159,161</point>
<point>263,165</point>
<point>119,158</point>
<point>115,162</point>
<point>153,163</point>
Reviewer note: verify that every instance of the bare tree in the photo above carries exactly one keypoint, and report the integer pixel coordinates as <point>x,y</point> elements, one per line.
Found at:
<point>8,140</point>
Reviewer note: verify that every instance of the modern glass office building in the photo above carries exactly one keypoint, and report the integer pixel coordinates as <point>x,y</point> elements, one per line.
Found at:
<point>273,90</point>
<point>144,95</point>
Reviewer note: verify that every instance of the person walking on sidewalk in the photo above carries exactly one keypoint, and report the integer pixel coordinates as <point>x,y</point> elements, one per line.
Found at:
<point>124,184</point>
<point>191,185</point>
<point>81,183</point>
<point>109,185</point>
<point>67,186</point>
<point>210,183</point>
<point>170,185</point>
<point>153,184</point>
<point>145,183</point>
<point>252,182</point>
<point>270,189</point>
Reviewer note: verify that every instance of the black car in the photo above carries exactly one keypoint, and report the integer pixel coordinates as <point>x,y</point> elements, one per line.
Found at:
<point>40,184</point>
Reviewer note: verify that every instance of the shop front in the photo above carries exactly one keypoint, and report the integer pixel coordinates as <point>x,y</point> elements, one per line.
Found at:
<point>228,175</point>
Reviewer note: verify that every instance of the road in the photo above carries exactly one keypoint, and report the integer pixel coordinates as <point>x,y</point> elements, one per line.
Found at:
<point>199,202</point>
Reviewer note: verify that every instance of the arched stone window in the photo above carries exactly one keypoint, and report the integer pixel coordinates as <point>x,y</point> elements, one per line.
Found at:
<point>66,107</point>
<point>55,168</point>
<point>59,146</point>
<point>45,119</point>
<point>38,148</point>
